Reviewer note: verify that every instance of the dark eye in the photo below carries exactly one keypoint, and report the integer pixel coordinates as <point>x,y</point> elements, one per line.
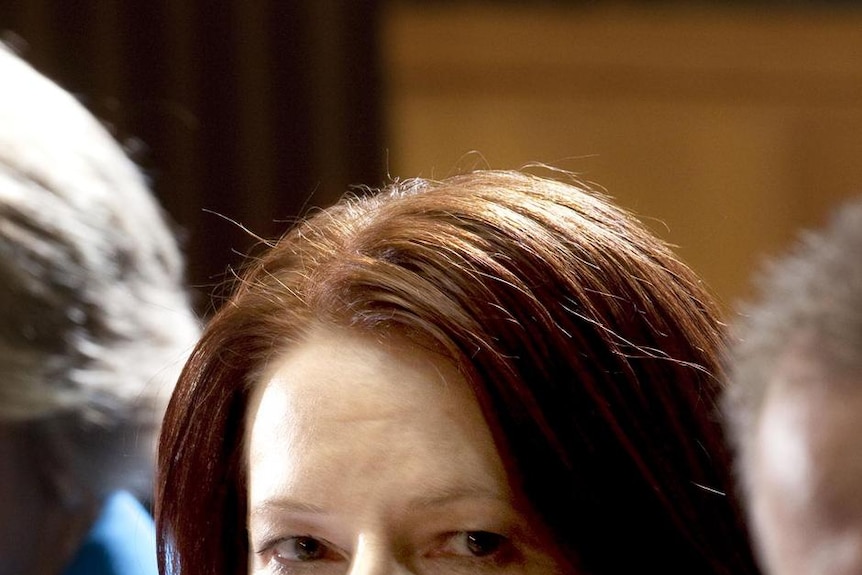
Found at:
<point>483,543</point>
<point>301,549</point>
<point>472,544</point>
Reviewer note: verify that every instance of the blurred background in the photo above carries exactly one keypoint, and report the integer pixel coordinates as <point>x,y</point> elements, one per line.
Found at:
<point>725,125</point>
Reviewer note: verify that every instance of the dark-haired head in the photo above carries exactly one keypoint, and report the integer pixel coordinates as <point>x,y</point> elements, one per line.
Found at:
<point>591,351</point>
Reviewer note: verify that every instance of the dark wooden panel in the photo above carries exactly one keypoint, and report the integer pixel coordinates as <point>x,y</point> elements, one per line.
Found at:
<point>254,111</point>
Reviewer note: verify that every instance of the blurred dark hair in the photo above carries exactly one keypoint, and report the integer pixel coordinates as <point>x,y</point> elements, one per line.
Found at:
<point>592,350</point>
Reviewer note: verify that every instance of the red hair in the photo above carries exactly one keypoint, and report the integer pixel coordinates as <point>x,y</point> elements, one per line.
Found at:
<point>592,350</point>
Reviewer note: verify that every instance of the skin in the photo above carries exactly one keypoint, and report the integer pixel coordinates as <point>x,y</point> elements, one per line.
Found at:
<point>372,457</point>
<point>806,473</point>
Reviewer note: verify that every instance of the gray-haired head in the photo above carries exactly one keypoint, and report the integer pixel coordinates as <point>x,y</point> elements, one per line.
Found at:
<point>794,403</point>
<point>94,318</point>
<point>809,302</point>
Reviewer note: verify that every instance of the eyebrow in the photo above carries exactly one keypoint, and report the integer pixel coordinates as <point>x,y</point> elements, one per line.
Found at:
<point>435,498</point>
<point>286,504</point>
<point>442,497</point>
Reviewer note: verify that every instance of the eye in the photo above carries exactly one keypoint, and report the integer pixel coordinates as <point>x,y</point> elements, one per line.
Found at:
<point>302,549</point>
<point>474,544</point>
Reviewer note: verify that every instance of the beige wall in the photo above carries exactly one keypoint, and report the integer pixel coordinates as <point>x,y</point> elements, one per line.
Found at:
<point>726,129</point>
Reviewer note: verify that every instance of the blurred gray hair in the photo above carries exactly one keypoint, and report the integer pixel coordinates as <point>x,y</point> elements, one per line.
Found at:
<point>809,301</point>
<point>94,318</point>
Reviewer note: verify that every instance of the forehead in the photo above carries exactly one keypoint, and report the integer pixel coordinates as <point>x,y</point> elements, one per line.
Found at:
<point>341,407</point>
<point>805,468</point>
<point>335,370</point>
<point>809,426</point>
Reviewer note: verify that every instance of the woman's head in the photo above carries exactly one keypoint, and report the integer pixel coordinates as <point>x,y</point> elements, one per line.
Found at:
<point>587,347</point>
<point>382,456</point>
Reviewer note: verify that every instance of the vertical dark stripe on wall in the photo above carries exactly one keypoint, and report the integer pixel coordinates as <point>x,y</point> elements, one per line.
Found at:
<point>291,113</point>
<point>330,93</point>
<point>217,113</point>
<point>364,80</point>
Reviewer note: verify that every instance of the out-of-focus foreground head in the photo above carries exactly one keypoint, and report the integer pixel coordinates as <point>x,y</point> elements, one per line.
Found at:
<point>94,317</point>
<point>590,352</point>
<point>794,404</point>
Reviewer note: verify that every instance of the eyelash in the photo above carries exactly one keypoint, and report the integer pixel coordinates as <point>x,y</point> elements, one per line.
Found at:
<point>497,547</point>
<point>328,552</point>
<point>478,546</point>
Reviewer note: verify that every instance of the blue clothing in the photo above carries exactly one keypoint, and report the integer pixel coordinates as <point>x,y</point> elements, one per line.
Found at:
<point>122,541</point>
